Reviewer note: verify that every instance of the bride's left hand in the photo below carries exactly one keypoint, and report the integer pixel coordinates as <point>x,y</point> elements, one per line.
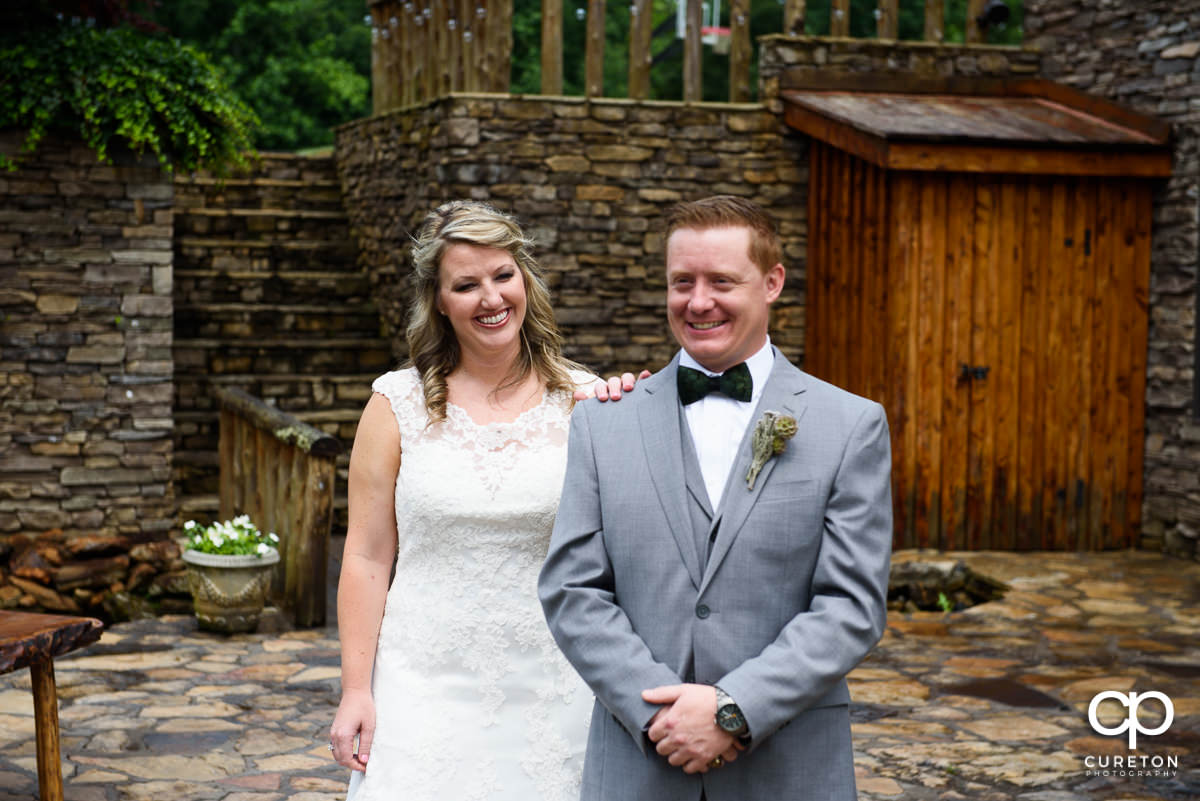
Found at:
<point>611,389</point>
<point>355,719</point>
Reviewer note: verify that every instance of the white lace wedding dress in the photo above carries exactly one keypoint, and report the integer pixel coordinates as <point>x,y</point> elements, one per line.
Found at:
<point>473,699</point>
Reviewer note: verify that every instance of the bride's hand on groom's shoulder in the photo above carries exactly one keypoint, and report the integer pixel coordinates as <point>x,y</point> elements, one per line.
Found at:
<point>611,389</point>
<point>355,719</point>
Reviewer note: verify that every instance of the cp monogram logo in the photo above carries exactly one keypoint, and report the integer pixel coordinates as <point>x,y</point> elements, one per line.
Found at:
<point>1132,701</point>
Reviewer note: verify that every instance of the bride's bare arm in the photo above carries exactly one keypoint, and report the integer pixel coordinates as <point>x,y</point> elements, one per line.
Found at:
<point>366,567</point>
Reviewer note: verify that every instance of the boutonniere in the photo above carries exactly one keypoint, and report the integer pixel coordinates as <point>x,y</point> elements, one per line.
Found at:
<point>771,433</point>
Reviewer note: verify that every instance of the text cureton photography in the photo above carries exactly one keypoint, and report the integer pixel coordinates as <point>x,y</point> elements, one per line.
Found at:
<point>1124,710</point>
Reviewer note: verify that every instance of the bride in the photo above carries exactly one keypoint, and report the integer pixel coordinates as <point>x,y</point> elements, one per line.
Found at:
<point>452,687</point>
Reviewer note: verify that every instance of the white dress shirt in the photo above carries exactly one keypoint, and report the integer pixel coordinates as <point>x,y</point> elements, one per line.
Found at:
<point>717,422</point>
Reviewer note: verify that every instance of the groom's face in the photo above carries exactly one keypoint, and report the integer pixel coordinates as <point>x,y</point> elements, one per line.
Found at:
<point>718,300</point>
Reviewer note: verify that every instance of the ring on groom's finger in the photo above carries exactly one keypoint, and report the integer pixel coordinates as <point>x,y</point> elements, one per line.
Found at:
<point>716,762</point>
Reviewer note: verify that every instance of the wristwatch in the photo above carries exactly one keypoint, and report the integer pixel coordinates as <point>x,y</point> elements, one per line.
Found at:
<point>729,715</point>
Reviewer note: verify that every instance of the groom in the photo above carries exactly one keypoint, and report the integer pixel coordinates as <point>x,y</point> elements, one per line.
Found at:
<point>715,616</point>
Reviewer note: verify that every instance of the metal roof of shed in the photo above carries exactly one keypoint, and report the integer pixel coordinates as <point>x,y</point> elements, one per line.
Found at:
<point>1022,126</point>
<point>953,118</point>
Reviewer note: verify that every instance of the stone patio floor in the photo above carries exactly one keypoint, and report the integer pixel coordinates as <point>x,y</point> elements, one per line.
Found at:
<point>944,708</point>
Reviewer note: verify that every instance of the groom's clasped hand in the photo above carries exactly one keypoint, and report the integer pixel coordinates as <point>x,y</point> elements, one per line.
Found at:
<point>683,730</point>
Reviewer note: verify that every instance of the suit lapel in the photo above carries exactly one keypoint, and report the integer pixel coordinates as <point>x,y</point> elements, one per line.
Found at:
<point>784,393</point>
<point>662,440</point>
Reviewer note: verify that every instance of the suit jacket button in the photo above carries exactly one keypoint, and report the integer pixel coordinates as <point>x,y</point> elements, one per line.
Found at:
<point>702,611</point>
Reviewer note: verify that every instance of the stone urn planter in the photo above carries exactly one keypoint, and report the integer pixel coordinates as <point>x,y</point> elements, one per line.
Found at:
<point>229,590</point>
<point>229,572</point>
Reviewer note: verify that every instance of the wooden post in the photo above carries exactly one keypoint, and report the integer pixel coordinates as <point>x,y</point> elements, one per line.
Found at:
<point>378,81</point>
<point>423,85</point>
<point>439,44</point>
<point>552,53</point>
<point>500,12</point>
<point>692,54</point>
<point>45,721</point>
<point>408,63</point>
<point>310,558</point>
<point>793,18</point>
<point>394,50</point>
<point>466,31</point>
<point>839,18</point>
<point>739,51</point>
<point>639,48</point>
<point>426,52</point>
<point>935,20</point>
<point>594,59</point>
<point>887,24</point>
<point>463,13</point>
<point>974,9</point>
<point>280,471</point>
<point>498,26</point>
<point>453,50</point>
<point>479,46</point>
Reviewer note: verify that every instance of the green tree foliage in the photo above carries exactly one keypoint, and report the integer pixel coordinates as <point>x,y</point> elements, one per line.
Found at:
<point>302,65</point>
<point>118,86</point>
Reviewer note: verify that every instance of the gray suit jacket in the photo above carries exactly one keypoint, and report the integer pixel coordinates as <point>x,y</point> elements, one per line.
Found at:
<point>788,599</point>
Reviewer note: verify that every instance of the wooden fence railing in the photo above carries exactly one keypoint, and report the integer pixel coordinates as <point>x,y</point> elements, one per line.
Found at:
<point>422,49</point>
<point>280,471</point>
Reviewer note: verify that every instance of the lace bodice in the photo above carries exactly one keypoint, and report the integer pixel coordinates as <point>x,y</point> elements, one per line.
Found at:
<point>491,486</point>
<point>463,641</point>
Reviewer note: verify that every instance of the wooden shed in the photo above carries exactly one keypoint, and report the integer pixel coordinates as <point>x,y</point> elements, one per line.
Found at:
<point>978,261</point>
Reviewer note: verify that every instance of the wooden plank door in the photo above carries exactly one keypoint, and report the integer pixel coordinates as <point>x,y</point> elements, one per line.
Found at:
<point>1044,416</point>
<point>1001,321</point>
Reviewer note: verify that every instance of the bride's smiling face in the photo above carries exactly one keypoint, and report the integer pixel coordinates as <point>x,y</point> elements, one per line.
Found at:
<point>482,293</point>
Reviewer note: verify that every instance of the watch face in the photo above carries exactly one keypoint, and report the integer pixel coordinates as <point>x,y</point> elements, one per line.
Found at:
<point>730,718</point>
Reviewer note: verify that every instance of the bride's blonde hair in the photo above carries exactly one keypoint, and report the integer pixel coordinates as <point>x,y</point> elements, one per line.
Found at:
<point>432,346</point>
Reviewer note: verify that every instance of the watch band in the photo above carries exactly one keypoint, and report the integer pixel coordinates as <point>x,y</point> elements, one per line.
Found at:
<point>727,708</point>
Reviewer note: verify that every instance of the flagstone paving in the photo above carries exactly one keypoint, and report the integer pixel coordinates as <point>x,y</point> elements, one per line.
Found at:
<point>988,704</point>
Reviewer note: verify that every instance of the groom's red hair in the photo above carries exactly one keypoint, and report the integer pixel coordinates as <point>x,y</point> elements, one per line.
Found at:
<point>730,211</point>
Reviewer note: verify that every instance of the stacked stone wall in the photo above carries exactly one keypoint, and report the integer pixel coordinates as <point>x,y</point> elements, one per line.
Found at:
<point>591,181</point>
<point>1146,54</point>
<point>85,345</point>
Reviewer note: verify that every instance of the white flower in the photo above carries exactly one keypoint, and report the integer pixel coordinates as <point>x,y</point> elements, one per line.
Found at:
<point>238,536</point>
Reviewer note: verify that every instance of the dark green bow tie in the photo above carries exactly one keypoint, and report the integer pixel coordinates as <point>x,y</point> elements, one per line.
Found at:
<point>734,382</point>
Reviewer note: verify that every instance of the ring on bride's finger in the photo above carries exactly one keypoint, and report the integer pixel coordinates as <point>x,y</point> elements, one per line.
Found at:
<point>331,746</point>
<point>717,762</point>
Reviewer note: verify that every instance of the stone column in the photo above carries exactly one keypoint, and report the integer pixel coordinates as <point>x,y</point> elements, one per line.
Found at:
<point>85,332</point>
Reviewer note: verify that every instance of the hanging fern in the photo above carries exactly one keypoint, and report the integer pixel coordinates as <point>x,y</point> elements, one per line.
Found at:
<point>120,85</point>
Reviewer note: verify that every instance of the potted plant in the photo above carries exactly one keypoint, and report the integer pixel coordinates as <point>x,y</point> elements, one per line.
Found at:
<point>229,572</point>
